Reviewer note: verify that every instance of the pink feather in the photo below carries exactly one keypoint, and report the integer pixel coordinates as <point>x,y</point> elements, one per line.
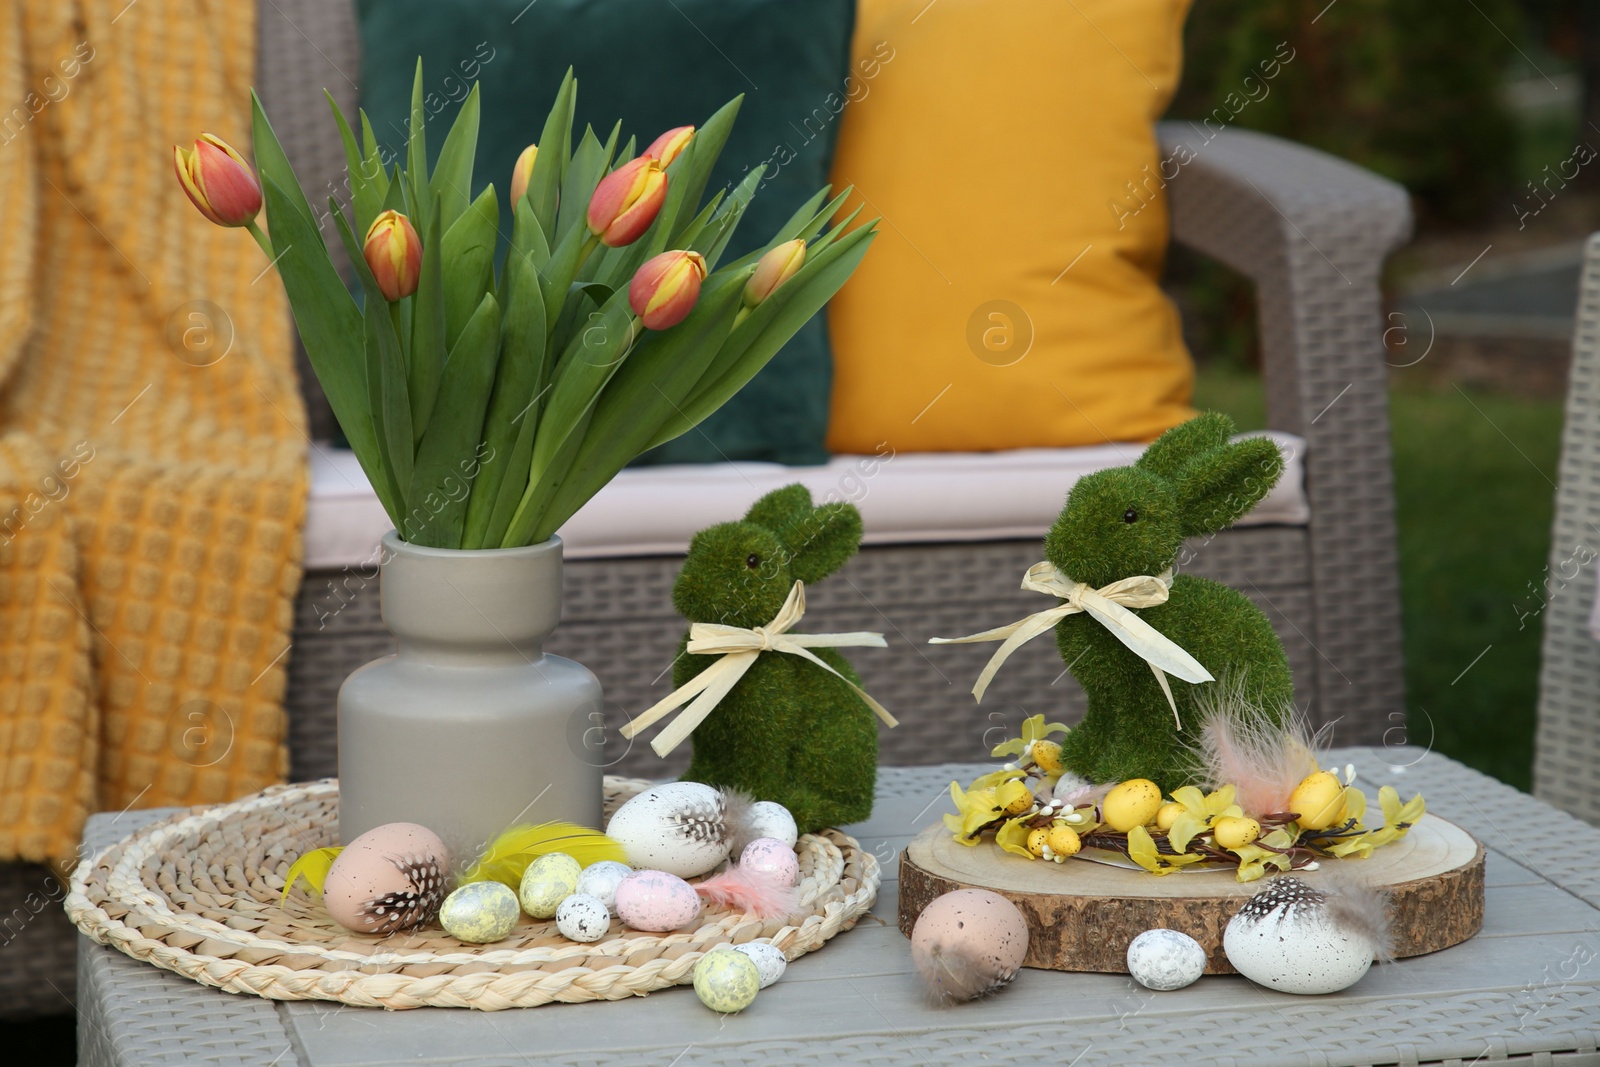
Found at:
<point>1241,746</point>
<point>750,891</point>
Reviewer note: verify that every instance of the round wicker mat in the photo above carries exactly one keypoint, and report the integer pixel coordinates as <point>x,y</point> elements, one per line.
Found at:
<point>198,894</point>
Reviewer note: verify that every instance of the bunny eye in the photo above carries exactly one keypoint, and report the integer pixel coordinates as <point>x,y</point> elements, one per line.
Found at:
<point>752,561</point>
<point>1130,516</point>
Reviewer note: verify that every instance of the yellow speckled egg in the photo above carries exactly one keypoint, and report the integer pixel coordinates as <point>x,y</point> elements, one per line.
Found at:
<point>726,981</point>
<point>1131,803</point>
<point>1064,840</point>
<point>1319,801</point>
<point>1232,831</point>
<point>1168,814</point>
<point>1036,840</point>
<point>1047,754</point>
<point>480,912</point>
<point>548,881</point>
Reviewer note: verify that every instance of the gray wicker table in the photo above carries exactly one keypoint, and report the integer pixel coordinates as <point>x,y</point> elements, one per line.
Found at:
<point>1526,990</point>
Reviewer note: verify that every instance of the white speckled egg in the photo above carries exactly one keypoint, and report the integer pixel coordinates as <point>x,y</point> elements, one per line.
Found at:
<point>1283,938</point>
<point>773,858</point>
<point>768,818</point>
<point>548,881</point>
<point>601,879</point>
<point>582,917</point>
<point>480,912</point>
<point>968,943</point>
<point>390,878</point>
<point>678,827</point>
<point>726,981</point>
<point>656,901</point>
<point>769,960</point>
<point>1165,959</point>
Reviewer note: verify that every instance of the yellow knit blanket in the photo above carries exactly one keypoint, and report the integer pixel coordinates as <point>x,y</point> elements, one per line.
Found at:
<point>152,439</point>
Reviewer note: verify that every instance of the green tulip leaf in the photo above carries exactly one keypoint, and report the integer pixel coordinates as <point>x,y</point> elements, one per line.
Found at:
<point>451,453</point>
<point>555,146</point>
<point>469,247</point>
<point>417,156</point>
<point>451,184</point>
<point>428,347</point>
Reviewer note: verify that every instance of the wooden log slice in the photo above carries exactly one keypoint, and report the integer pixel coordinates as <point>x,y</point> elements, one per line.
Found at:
<point>1082,914</point>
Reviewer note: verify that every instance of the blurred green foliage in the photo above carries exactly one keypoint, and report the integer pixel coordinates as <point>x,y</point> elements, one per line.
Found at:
<point>1408,88</point>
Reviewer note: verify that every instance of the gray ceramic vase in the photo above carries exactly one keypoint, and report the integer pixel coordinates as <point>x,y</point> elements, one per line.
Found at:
<point>471,727</point>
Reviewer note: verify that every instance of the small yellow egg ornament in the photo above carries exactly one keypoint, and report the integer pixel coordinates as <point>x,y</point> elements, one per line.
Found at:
<point>1319,800</point>
<point>1131,803</point>
<point>1063,840</point>
<point>1168,814</point>
<point>1232,831</point>
<point>1014,796</point>
<point>726,981</point>
<point>1047,756</point>
<point>1036,840</point>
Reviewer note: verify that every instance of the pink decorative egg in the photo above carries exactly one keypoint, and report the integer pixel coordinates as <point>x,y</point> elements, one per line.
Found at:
<point>656,901</point>
<point>773,858</point>
<point>390,878</point>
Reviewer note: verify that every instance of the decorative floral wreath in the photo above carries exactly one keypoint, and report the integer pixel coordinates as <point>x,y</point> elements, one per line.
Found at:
<point>1036,811</point>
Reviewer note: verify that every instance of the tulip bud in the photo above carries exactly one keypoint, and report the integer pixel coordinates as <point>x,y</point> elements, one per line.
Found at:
<point>773,269</point>
<point>521,172</point>
<point>627,201</point>
<point>394,253</point>
<point>665,288</point>
<point>668,145</point>
<point>218,181</point>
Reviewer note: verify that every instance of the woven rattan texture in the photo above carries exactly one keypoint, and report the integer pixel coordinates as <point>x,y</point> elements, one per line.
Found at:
<point>1312,232</point>
<point>199,894</point>
<point>618,621</point>
<point>1566,766</point>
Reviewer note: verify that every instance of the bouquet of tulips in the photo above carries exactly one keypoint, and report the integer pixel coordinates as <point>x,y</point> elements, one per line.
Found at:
<point>487,409</point>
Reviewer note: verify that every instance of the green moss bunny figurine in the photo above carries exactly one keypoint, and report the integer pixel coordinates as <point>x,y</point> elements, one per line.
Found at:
<point>1191,482</point>
<point>788,730</point>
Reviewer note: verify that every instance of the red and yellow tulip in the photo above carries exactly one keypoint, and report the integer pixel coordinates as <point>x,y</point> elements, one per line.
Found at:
<point>522,171</point>
<point>394,252</point>
<point>666,147</point>
<point>665,288</point>
<point>772,270</point>
<point>627,201</point>
<point>218,181</point>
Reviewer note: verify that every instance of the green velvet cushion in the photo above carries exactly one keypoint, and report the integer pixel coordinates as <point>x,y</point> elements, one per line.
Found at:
<point>654,64</point>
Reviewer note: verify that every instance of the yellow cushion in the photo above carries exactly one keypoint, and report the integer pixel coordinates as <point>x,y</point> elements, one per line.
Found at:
<point>1011,298</point>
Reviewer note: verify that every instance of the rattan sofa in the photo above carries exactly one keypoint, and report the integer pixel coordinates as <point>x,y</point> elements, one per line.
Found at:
<point>1311,231</point>
<point>1566,762</point>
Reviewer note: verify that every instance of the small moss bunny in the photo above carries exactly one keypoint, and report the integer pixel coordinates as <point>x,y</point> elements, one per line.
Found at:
<point>1129,521</point>
<point>788,730</point>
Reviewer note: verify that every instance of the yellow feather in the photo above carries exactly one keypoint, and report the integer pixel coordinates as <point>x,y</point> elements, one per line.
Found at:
<point>509,854</point>
<point>313,867</point>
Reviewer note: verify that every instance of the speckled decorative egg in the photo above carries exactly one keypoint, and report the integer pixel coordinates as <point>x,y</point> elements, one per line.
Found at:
<point>1131,803</point>
<point>656,901</point>
<point>767,818</point>
<point>773,858</point>
<point>726,981</point>
<point>769,960</point>
<point>390,878</point>
<point>1165,959</point>
<point>582,917</point>
<point>480,912</point>
<point>548,881</point>
<point>968,943</point>
<point>1284,938</point>
<point>678,827</point>
<point>600,880</point>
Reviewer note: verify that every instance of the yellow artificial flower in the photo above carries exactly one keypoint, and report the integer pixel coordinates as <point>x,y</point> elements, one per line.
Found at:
<point>1034,728</point>
<point>1142,850</point>
<point>1200,810</point>
<point>977,808</point>
<point>1013,837</point>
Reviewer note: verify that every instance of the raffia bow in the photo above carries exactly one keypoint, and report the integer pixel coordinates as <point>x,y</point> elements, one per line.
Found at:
<point>739,648</point>
<point>1109,606</point>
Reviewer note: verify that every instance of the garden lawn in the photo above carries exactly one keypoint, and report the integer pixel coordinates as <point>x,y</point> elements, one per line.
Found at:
<point>1474,486</point>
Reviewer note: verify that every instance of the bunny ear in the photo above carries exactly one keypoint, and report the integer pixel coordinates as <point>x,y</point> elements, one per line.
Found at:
<point>781,507</point>
<point>1216,488</point>
<point>1187,441</point>
<point>818,540</point>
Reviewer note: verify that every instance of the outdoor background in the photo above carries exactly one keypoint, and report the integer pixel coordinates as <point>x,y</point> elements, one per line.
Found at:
<point>1477,107</point>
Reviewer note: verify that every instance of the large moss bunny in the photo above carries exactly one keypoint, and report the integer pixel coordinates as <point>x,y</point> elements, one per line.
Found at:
<point>1130,521</point>
<point>788,730</point>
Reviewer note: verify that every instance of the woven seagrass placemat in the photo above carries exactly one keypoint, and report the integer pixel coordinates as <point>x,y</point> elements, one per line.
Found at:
<point>198,894</point>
